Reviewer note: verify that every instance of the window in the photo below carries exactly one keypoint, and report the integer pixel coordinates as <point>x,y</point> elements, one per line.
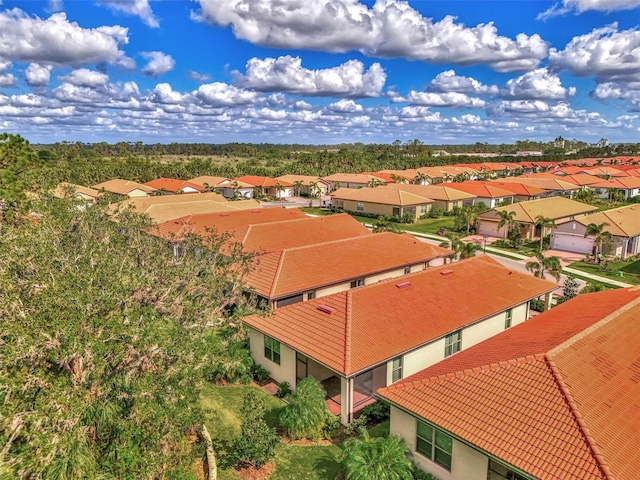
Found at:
<point>434,444</point>
<point>357,283</point>
<point>500,472</point>
<point>407,270</point>
<point>360,207</point>
<point>396,211</point>
<point>272,349</point>
<point>453,343</point>
<point>508,317</point>
<point>396,369</point>
<point>423,209</point>
<point>311,295</point>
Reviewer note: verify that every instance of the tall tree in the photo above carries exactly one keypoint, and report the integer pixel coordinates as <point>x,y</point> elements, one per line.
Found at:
<point>507,220</point>
<point>545,224</point>
<point>19,166</point>
<point>601,237</point>
<point>545,265</point>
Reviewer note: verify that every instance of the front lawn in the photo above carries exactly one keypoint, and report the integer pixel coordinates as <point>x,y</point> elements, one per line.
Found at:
<point>611,272</point>
<point>428,225</point>
<point>633,268</point>
<point>222,417</point>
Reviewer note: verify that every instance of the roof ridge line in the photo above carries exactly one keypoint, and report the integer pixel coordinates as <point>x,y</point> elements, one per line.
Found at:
<point>276,277</point>
<point>584,429</point>
<point>347,334</point>
<point>301,247</point>
<point>600,323</point>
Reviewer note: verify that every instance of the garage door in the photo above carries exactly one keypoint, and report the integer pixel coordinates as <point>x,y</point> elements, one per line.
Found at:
<point>571,243</point>
<point>489,228</point>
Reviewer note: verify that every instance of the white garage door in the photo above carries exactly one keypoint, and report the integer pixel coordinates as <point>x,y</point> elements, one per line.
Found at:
<point>571,243</point>
<point>489,228</point>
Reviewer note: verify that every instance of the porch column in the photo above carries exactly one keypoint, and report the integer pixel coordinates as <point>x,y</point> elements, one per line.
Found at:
<point>625,246</point>
<point>547,301</point>
<point>346,398</point>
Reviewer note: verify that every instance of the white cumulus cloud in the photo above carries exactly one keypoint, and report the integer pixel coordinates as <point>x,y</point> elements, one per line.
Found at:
<point>220,94</point>
<point>440,99</point>
<point>56,40</point>
<point>286,74</point>
<point>86,78</point>
<point>390,28</point>
<point>38,75</point>
<point>158,63</point>
<point>139,8</point>
<point>580,6</point>
<point>345,106</point>
<point>537,84</point>
<point>448,81</point>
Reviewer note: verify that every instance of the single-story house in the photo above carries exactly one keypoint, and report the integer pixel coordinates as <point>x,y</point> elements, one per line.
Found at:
<point>228,187</point>
<point>172,186</point>
<point>629,186</point>
<point>126,188</point>
<point>521,192</point>
<point>365,338</point>
<point>552,186</point>
<point>381,201</point>
<point>306,184</point>
<point>292,275</point>
<point>484,192</point>
<point>558,209</point>
<point>623,225</point>
<point>555,398</point>
<point>267,185</point>
<point>443,196</point>
<point>67,190</point>
<point>352,180</point>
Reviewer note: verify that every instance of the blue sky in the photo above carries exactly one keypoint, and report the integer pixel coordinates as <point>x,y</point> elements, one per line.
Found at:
<point>320,71</point>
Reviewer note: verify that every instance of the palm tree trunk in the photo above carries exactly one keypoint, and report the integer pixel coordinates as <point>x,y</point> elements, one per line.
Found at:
<point>212,466</point>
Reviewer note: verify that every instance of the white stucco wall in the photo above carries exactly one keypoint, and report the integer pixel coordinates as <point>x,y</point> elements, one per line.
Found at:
<point>286,371</point>
<point>466,463</point>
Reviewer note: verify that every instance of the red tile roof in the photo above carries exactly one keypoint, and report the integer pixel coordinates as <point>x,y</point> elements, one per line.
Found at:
<point>481,189</point>
<point>519,188</point>
<point>258,181</point>
<point>371,324</point>
<point>625,183</point>
<point>224,222</point>
<point>286,272</point>
<point>556,397</point>
<point>173,185</point>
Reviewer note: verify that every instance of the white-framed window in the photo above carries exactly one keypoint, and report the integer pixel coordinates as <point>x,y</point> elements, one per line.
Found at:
<point>452,343</point>
<point>437,446</point>
<point>423,209</point>
<point>272,349</point>
<point>360,207</point>
<point>498,471</point>
<point>311,295</point>
<point>357,283</point>
<point>396,369</point>
<point>407,270</point>
<point>508,317</point>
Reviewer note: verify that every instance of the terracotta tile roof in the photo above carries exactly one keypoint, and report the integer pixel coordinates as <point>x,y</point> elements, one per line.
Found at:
<point>581,179</point>
<point>122,187</point>
<point>383,175</point>
<point>209,180</point>
<point>623,221</point>
<point>352,178</point>
<point>379,195</point>
<point>303,231</point>
<point>556,396</point>
<point>435,192</point>
<point>258,181</point>
<point>625,183</point>
<point>61,191</point>
<point>406,174</point>
<point>481,189</point>
<point>173,185</point>
<point>611,171</point>
<point>550,207</point>
<point>286,272</point>
<point>233,222</point>
<point>371,324</point>
<point>553,184</point>
<point>306,180</point>
<point>519,188</point>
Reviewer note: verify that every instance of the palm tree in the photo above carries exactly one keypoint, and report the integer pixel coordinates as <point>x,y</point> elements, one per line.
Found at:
<point>542,265</point>
<point>382,225</point>
<point>279,190</point>
<point>398,178</point>
<point>452,239</point>
<point>601,236</point>
<point>374,182</point>
<point>297,187</point>
<point>545,224</point>
<point>382,458</point>
<point>315,189</point>
<point>466,250</point>
<point>422,178</point>
<point>507,220</point>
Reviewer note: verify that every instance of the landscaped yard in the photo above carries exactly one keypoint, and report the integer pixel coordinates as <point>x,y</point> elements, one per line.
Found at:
<point>222,412</point>
<point>611,272</point>
<point>633,268</point>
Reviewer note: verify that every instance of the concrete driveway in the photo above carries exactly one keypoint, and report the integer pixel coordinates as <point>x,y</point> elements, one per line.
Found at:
<point>566,258</point>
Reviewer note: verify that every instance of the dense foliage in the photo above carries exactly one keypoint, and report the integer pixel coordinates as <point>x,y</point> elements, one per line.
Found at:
<point>104,335</point>
<point>257,442</point>
<point>307,412</point>
<point>382,458</point>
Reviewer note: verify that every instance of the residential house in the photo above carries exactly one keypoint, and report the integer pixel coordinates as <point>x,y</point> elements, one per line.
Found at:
<point>520,191</point>
<point>443,196</point>
<point>629,187</point>
<point>172,186</point>
<point>553,398</point>
<point>365,338</point>
<point>484,192</point>
<point>126,188</point>
<point>306,184</point>
<point>558,209</point>
<point>623,225</point>
<point>381,201</point>
<point>292,275</point>
<point>352,180</point>
<point>267,186</point>
<point>228,187</point>
<point>70,190</point>
<point>552,186</point>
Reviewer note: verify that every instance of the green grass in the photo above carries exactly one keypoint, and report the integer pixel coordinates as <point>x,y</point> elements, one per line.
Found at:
<point>602,284</point>
<point>222,417</point>
<point>611,272</point>
<point>428,225</point>
<point>316,211</point>
<point>633,268</point>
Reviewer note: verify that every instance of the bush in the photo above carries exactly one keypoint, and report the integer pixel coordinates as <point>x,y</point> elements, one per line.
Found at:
<point>537,305</point>
<point>232,365</point>
<point>408,217</point>
<point>435,212</point>
<point>376,412</point>
<point>260,374</point>
<point>305,416</point>
<point>356,425</point>
<point>284,390</point>
<point>421,475</point>
<point>257,442</point>
<point>331,425</point>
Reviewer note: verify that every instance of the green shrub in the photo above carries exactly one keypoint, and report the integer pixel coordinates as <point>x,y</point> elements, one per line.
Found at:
<point>435,212</point>
<point>232,365</point>
<point>537,305</point>
<point>331,425</point>
<point>376,412</point>
<point>305,416</point>
<point>408,217</point>
<point>356,425</point>
<point>421,474</point>
<point>257,442</point>
<point>284,390</point>
<point>260,374</point>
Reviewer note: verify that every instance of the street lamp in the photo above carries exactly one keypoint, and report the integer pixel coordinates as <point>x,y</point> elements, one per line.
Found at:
<point>484,248</point>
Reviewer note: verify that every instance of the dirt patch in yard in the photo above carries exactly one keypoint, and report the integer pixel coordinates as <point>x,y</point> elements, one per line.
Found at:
<point>251,473</point>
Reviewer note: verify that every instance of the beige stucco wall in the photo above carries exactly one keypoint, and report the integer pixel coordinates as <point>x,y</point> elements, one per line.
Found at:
<point>137,193</point>
<point>466,463</point>
<point>492,326</point>
<point>377,208</point>
<point>286,371</point>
